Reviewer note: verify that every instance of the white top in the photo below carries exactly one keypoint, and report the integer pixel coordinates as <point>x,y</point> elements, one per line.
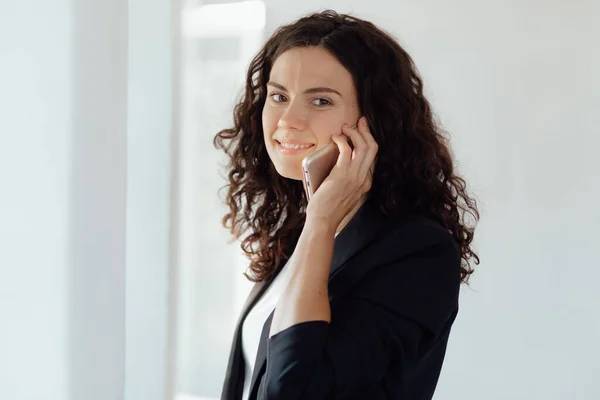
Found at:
<point>255,320</point>
<point>253,324</point>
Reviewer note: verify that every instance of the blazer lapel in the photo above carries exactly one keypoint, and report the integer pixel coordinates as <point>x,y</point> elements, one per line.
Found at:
<point>261,356</point>
<point>362,230</point>
<point>367,225</point>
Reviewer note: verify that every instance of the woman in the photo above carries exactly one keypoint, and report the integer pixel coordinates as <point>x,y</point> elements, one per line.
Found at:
<point>356,290</point>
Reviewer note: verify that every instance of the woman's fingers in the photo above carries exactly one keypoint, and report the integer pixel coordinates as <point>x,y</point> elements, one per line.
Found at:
<point>345,151</point>
<point>363,127</point>
<point>360,146</point>
<point>359,162</point>
<point>365,159</point>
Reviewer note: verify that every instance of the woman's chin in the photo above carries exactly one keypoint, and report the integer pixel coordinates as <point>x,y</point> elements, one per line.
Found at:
<point>290,173</point>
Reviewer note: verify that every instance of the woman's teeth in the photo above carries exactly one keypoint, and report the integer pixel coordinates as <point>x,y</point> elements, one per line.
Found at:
<point>295,146</point>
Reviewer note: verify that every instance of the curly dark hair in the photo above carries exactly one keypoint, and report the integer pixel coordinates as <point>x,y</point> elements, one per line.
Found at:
<point>414,172</point>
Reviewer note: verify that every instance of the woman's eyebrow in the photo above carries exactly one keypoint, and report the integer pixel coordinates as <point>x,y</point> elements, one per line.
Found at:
<point>321,89</point>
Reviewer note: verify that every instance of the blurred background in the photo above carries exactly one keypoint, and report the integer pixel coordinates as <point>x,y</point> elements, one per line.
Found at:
<point>116,278</point>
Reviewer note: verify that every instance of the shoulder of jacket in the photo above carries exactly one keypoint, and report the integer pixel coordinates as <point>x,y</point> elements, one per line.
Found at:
<point>415,233</point>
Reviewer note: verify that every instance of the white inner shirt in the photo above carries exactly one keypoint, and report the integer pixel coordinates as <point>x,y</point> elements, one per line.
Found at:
<point>255,320</point>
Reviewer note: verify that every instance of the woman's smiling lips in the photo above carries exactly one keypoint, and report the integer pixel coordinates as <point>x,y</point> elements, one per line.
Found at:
<point>291,147</point>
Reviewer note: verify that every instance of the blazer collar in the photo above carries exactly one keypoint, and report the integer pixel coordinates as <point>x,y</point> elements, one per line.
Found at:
<point>364,228</point>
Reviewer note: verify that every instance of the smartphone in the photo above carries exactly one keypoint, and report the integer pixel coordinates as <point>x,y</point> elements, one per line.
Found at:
<point>317,166</point>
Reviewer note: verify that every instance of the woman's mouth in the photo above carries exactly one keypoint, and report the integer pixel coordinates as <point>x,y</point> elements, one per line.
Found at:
<point>293,148</point>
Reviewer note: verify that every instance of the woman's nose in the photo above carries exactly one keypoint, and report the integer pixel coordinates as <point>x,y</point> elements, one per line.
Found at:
<point>294,117</point>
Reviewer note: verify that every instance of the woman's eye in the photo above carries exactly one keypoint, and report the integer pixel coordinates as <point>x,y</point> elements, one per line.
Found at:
<point>323,102</point>
<point>277,97</point>
<point>319,102</point>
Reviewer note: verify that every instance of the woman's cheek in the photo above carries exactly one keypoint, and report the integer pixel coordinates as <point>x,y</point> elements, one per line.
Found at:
<point>270,118</point>
<point>328,128</point>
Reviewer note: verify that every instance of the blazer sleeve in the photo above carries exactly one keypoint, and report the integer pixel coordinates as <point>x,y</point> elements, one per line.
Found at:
<point>392,312</point>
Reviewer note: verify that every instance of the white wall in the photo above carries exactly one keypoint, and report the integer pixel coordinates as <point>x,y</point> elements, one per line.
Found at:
<point>86,122</point>
<point>97,204</point>
<point>35,141</point>
<point>517,84</point>
<point>62,204</point>
<point>150,284</point>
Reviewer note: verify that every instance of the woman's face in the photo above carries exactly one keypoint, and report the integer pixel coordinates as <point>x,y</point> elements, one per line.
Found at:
<point>310,95</point>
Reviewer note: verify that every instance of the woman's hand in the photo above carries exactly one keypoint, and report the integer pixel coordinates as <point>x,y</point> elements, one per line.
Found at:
<point>348,181</point>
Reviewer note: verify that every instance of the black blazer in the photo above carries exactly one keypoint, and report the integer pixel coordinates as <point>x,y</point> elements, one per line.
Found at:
<point>393,291</point>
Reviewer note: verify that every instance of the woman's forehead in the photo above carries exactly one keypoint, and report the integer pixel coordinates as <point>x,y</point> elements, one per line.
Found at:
<point>301,68</point>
